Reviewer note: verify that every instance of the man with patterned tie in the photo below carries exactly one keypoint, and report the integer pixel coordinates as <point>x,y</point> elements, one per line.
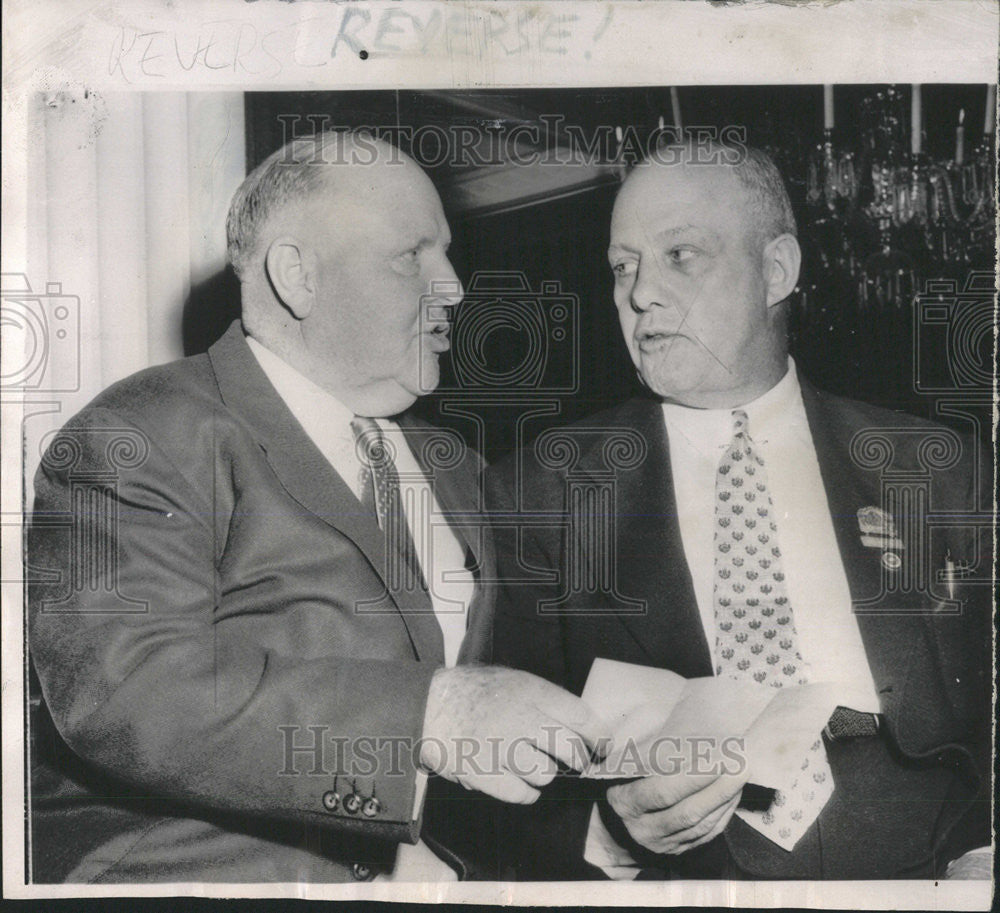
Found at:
<point>280,646</point>
<point>752,541</point>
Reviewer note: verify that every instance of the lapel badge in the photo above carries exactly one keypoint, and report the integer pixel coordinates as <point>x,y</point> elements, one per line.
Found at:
<point>878,530</point>
<point>875,521</point>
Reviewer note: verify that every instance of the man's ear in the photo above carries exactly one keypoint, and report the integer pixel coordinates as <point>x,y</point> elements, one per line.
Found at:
<point>782,260</point>
<point>291,271</point>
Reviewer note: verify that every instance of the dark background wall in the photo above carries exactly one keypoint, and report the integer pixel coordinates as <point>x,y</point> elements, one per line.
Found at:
<point>843,344</point>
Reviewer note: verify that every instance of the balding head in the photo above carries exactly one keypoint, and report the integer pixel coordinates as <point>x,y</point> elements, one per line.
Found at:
<point>767,205</point>
<point>294,175</point>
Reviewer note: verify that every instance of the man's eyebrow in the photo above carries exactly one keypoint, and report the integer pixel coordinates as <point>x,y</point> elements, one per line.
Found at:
<point>428,238</point>
<point>683,229</point>
<point>415,241</point>
<point>665,234</point>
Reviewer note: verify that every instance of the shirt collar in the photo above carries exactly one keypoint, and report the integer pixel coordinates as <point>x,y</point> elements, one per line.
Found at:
<point>320,413</point>
<point>773,412</point>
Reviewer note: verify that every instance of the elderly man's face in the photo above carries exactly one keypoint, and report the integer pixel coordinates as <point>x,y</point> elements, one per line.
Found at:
<point>690,287</point>
<point>384,284</point>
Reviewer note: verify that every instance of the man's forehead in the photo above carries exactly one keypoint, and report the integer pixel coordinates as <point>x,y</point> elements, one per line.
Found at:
<point>363,178</point>
<point>658,184</point>
<point>660,196</point>
<point>386,203</point>
<point>382,181</point>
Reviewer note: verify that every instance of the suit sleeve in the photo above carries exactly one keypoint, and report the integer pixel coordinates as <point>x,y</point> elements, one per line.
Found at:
<point>148,678</point>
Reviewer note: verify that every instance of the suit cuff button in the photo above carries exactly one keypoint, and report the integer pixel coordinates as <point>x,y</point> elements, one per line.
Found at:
<point>331,800</point>
<point>371,807</point>
<point>361,872</point>
<point>352,804</point>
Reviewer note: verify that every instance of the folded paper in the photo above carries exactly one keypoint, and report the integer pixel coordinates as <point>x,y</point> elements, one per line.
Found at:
<point>664,724</point>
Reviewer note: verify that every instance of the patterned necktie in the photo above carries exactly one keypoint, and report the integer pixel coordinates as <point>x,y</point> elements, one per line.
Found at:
<point>755,628</point>
<point>380,493</point>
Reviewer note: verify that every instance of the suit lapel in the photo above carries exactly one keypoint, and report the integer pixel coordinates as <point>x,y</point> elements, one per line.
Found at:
<point>308,477</point>
<point>890,639</point>
<point>651,564</point>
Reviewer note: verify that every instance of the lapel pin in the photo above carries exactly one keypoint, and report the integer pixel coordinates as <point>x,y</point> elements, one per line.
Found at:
<point>891,561</point>
<point>875,521</point>
<point>878,529</point>
<point>954,571</point>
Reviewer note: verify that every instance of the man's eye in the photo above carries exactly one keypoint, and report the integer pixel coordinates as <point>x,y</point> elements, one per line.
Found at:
<point>623,268</point>
<point>680,254</point>
<point>408,261</point>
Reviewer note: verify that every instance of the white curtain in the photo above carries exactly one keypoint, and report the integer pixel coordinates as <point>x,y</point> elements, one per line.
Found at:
<point>127,198</point>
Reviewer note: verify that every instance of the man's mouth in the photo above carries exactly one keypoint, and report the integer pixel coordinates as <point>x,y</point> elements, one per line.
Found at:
<point>437,337</point>
<point>653,340</point>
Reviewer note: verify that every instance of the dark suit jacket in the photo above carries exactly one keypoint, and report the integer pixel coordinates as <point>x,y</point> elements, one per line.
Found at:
<point>213,598</point>
<point>904,804</point>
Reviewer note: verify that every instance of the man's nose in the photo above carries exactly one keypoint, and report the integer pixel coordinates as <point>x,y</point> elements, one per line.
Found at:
<point>446,287</point>
<point>649,289</point>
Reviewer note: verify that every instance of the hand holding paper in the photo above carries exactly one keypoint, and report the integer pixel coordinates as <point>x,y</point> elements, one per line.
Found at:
<point>501,731</point>
<point>675,813</point>
<point>696,743</point>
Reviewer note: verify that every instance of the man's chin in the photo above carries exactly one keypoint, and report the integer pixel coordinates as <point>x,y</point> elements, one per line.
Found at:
<point>430,377</point>
<point>670,383</point>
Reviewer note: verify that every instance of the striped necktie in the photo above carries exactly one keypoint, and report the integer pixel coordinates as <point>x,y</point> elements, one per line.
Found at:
<point>380,493</point>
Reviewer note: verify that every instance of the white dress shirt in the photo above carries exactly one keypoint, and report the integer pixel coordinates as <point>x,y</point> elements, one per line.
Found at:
<point>829,638</point>
<point>451,586</point>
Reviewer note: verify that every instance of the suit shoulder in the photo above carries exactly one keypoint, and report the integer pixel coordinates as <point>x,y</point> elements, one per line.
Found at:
<point>631,413</point>
<point>908,440</point>
<point>636,415</point>
<point>157,424</point>
<point>861,417</point>
<point>175,408</point>
<point>865,415</point>
<point>156,396</point>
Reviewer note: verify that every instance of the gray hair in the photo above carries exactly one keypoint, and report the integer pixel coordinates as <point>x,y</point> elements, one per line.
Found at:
<point>291,174</point>
<point>760,178</point>
<point>753,168</point>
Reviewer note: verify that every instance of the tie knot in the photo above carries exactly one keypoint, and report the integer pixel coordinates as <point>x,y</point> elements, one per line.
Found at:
<point>363,426</point>
<point>739,422</point>
<point>372,448</point>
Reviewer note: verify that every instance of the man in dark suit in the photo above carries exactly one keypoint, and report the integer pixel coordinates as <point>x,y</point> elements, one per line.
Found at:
<point>738,522</point>
<point>264,598</point>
